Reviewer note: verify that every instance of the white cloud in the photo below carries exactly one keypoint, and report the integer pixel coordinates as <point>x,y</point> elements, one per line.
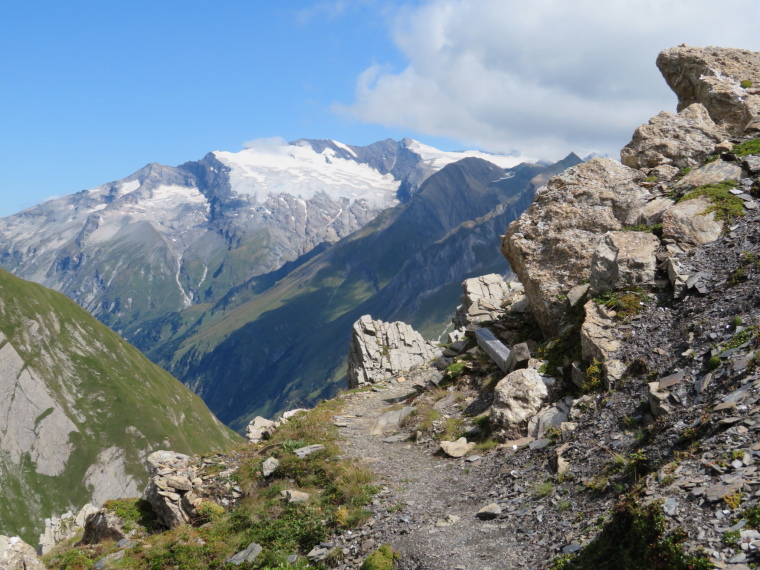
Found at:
<point>266,145</point>
<point>545,76</point>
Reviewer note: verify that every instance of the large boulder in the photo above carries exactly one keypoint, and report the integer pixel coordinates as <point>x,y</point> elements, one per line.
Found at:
<point>380,350</point>
<point>551,245</point>
<point>623,260</point>
<point>681,140</point>
<point>687,223</point>
<point>713,76</point>
<point>15,554</point>
<point>517,397</point>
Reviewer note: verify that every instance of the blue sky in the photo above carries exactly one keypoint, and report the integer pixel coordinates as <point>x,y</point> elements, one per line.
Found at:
<point>91,90</point>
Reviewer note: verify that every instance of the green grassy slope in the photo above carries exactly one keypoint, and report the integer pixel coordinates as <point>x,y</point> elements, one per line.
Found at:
<point>114,396</point>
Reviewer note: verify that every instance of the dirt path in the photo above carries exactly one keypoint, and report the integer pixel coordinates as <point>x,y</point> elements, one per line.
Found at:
<point>426,509</point>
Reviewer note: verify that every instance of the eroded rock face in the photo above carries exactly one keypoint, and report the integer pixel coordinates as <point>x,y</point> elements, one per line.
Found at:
<point>517,397</point>
<point>599,343</point>
<point>550,246</point>
<point>678,140</point>
<point>624,259</point>
<point>380,350</point>
<point>713,77</point>
<point>102,525</point>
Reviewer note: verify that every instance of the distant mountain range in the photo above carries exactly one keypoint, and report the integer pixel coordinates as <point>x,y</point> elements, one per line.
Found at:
<point>240,272</point>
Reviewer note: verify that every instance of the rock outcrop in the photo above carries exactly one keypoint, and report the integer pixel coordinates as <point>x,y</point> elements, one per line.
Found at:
<point>62,528</point>
<point>485,298</point>
<point>380,350</point>
<point>551,245</point>
<point>726,81</point>
<point>170,488</point>
<point>15,554</point>
<point>681,140</point>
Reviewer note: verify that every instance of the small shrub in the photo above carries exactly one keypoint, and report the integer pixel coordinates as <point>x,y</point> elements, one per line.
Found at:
<point>381,559</point>
<point>626,304</point>
<point>732,538</point>
<point>455,369</point>
<point>746,84</point>
<point>541,490</point>
<point>635,538</point>
<point>593,381</point>
<point>733,500</point>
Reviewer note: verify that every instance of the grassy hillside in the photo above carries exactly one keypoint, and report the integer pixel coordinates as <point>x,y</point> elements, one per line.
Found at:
<point>117,405</point>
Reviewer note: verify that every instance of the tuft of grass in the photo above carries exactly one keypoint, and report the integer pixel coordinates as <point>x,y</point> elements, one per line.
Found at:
<point>541,490</point>
<point>748,147</point>
<point>726,206</point>
<point>137,514</point>
<point>626,304</point>
<point>655,229</point>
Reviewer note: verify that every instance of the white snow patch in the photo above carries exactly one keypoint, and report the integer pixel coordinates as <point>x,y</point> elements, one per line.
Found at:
<point>437,159</point>
<point>302,172</point>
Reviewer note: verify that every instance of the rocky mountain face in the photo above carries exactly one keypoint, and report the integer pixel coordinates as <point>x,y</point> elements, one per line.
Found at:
<point>180,260</point>
<point>166,239</point>
<point>264,349</point>
<point>80,409</point>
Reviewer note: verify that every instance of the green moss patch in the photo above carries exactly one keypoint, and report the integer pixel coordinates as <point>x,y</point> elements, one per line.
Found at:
<point>748,147</point>
<point>726,206</point>
<point>381,559</point>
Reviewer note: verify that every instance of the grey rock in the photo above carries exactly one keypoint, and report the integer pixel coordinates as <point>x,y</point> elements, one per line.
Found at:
<point>551,245</point>
<point>576,294</point>
<point>302,452</point>
<point>623,260</point>
<point>711,173</point>
<point>489,512</point>
<point>458,448</point>
<point>484,299</point>
<point>493,347</point>
<point>687,224</point>
<point>517,397</point>
<point>166,505</point>
<point>680,140</point>
<point>294,496</point>
<point>391,420</point>
<point>269,466</point>
<point>248,555</point>
<point>519,357</point>
<point>658,400</point>
<point>550,417</point>
<point>712,76</point>
<point>61,528</point>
